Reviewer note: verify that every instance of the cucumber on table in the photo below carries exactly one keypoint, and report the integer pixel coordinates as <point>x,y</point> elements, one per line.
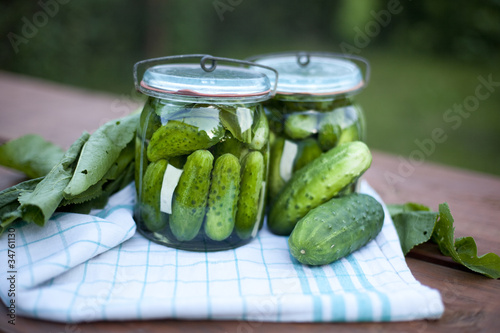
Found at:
<point>336,228</point>
<point>318,182</point>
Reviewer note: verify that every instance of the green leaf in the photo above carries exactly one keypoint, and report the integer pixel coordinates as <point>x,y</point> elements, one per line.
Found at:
<point>100,152</point>
<point>463,250</point>
<point>238,121</point>
<point>407,207</point>
<point>9,205</point>
<point>116,170</point>
<point>30,154</point>
<point>11,194</point>
<point>109,188</point>
<point>37,206</point>
<point>36,200</point>
<point>414,224</point>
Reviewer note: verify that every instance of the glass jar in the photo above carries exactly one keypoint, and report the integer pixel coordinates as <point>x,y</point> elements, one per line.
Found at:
<point>313,110</point>
<point>202,152</point>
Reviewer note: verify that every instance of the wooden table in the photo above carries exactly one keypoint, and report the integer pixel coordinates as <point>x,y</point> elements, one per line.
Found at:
<point>472,302</point>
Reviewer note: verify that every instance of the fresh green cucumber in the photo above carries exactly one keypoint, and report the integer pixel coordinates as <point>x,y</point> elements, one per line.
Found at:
<point>301,126</point>
<point>318,182</point>
<point>223,197</point>
<point>308,150</point>
<point>151,195</point>
<point>249,210</point>
<point>179,138</point>
<point>336,228</point>
<point>190,196</point>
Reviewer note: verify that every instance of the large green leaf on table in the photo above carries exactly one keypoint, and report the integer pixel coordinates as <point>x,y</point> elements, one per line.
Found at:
<point>37,206</point>
<point>414,224</point>
<point>100,152</point>
<point>36,200</point>
<point>30,154</point>
<point>463,250</point>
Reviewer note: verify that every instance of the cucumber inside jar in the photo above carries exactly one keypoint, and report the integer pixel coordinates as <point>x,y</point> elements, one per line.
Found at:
<point>304,128</point>
<point>203,150</point>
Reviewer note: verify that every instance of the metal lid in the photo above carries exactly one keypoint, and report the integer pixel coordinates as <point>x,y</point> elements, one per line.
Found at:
<point>190,81</point>
<point>321,74</point>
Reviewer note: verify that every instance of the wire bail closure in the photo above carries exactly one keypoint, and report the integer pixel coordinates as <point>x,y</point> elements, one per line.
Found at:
<point>303,59</point>
<point>204,66</point>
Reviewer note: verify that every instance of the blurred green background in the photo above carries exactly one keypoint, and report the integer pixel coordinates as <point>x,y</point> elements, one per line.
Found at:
<point>427,57</point>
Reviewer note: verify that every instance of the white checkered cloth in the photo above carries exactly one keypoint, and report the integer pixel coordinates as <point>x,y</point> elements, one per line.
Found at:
<point>82,268</point>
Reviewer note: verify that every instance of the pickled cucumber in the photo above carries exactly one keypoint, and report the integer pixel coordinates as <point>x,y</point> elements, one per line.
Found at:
<point>149,121</point>
<point>178,138</point>
<point>141,163</point>
<point>190,196</point>
<point>249,213</point>
<point>223,197</point>
<point>349,134</point>
<point>276,182</point>
<point>329,130</point>
<point>150,196</point>
<point>229,144</point>
<point>301,126</point>
<point>308,150</point>
<point>260,130</point>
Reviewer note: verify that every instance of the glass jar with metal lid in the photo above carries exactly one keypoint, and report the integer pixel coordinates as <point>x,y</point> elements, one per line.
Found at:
<point>202,151</point>
<point>313,110</point>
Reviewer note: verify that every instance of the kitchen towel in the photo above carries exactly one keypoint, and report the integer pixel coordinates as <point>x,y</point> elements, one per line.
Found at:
<point>81,268</point>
